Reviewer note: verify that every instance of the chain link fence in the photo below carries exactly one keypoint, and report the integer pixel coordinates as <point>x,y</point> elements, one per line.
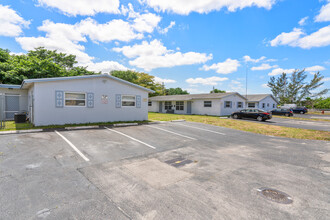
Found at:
<point>10,104</point>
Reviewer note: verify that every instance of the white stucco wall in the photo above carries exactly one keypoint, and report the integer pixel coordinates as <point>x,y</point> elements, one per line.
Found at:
<point>269,101</point>
<point>154,106</point>
<point>234,99</point>
<point>23,99</point>
<point>45,112</point>
<point>199,109</point>
<point>184,111</point>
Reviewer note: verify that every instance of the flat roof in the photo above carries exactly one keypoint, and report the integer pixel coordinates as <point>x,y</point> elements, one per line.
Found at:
<point>29,81</point>
<point>193,96</point>
<point>10,86</point>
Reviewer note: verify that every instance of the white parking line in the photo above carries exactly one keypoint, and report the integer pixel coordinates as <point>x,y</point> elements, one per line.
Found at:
<point>174,133</point>
<point>71,145</point>
<point>202,129</point>
<point>134,139</point>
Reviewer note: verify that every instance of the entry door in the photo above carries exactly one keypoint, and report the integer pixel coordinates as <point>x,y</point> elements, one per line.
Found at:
<point>160,107</point>
<point>12,105</point>
<point>188,107</point>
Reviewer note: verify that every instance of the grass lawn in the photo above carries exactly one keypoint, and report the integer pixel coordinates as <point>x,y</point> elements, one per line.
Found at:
<point>12,126</point>
<point>306,119</point>
<point>247,126</point>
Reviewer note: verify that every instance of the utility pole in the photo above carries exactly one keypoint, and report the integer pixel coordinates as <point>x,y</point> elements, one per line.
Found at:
<point>246,79</point>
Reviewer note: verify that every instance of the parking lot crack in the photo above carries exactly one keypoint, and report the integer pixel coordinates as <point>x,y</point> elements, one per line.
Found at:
<point>99,189</point>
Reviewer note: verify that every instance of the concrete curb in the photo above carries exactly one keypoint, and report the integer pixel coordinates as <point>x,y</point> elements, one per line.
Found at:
<point>82,127</point>
<point>179,120</point>
<point>125,124</point>
<point>78,127</point>
<point>21,131</point>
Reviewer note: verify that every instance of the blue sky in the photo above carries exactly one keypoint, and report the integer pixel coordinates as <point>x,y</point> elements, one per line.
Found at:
<point>192,44</point>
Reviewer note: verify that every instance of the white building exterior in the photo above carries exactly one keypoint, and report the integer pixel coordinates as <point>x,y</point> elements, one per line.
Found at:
<point>200,104</point>
<point>266,102</point>
<point>82,99</point>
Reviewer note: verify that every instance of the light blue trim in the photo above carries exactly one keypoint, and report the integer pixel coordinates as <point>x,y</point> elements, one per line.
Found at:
<point>118,101</point>
<point>26,81</point>
<point>10,86</point>
<point>138,101</point>
<point>90,100</point>
<point>59,99</point>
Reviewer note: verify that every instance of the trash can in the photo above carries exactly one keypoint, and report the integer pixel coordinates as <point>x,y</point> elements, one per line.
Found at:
<point>20,117</point>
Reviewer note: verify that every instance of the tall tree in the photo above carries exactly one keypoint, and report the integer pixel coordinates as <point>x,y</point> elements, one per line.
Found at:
<point>176,91</point>
<point>217,91</point>
<point>142,79</point>
<point>38,63</point>
<point>294,89</point>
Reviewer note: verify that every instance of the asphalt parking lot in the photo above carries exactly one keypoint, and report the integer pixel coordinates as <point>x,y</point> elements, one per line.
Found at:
<point>178,170</point>
<point>296,123</point>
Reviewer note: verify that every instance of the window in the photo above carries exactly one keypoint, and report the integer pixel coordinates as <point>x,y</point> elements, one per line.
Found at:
<point>252,105</point>
<point>207,103</point>
<point>239,104</point>
<point>168,105</point>
<point>273,105</point>
<point>149,103</point>
<point>75,99</point>
<point>179,106</point>
<point>227,104</point>
<point>128,100</point>
<point>263,105</point>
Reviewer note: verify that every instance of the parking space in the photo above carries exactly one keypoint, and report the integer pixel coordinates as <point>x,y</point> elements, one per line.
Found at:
<point>296,123</point>
<point>180,170</point>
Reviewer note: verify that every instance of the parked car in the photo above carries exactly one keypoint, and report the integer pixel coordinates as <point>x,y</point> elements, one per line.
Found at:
<point>282,111</point>
<point>301,110</point>
<point>258,114</point>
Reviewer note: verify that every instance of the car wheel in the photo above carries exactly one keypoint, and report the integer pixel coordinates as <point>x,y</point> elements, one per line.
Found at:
<point>287,115</point>
<point>259,118</point>
<point>235,116</point>
<point>302,112</point>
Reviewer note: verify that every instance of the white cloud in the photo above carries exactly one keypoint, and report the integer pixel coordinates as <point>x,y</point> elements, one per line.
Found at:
<point>153,55</point>
<point>314,69</point>
<point>324,13</point>
<point>265,85</point>
<point>11,23</point>
<point>264,66</point>
<point>165,30</point>
<point>66,37</point>
<point>113,30</point>
<point>154,48</point>
<point>226,67</point>
<point>185,7</point>
<point>302,21</point>
<point>62,45</point>
<point>290,38</point>
<point>82,7</point>
<point>161,80</point>
<point>279,71</point>
<point>236,86</point>
<point>249,59</point>
<point>105,66</point>
<point>326,79</point>
<point>195,90</point>
<point>146,22</point>
<point>298,38</point>
<point>212,81</point>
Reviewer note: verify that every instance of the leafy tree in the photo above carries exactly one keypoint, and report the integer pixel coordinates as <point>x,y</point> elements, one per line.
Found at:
<point>142,79</point>
<point>294,89</point>
<point>176,91</point>
<point>323,103</point>
<point>217,91</point>
<point>38,63</point>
